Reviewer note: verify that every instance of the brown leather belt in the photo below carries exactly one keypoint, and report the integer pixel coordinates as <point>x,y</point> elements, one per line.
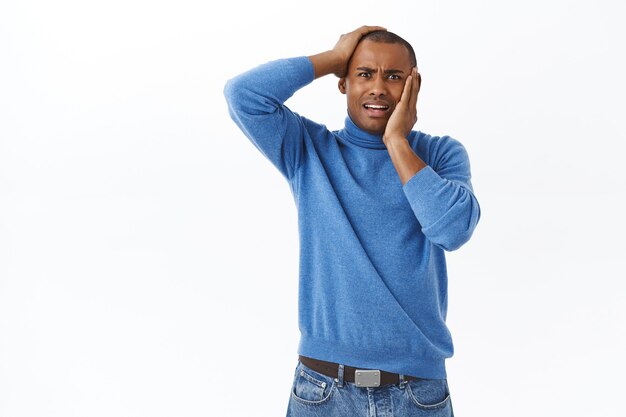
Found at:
<point>331,369</point>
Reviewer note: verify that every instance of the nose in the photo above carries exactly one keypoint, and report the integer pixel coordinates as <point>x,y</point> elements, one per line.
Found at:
<point>378,86</point>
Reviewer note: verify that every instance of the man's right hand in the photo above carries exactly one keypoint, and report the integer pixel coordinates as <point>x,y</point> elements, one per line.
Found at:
<point>335,61</point>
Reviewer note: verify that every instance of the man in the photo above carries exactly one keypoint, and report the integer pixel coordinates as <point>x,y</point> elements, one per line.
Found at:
<point>378,204</point>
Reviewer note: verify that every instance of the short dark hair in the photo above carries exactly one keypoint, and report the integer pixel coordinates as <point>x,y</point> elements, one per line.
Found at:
<point>385,36</point>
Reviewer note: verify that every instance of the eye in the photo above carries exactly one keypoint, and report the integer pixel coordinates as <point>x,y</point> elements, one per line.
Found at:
<point>394,77</point>
<point>363,74</point>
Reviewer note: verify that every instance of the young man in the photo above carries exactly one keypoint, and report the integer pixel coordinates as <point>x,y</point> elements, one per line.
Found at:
<point>378,205</point>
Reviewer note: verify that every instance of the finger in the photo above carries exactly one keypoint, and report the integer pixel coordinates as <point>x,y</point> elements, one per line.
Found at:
<point>349,41</point>
<point>366,29</point>
<point>419,82</point>
<point>418,77</point>
<point>405,99</point>
<point>414,88</point>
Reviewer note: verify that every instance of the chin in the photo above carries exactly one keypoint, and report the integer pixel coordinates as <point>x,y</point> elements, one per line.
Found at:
<point>372,126</point>
<point>377,129</point>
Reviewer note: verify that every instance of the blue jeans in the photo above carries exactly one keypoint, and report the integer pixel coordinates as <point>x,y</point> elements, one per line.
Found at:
<point>317,395</point>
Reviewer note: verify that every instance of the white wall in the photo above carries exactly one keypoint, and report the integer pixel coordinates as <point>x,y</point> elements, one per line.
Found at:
<point>147,248</point>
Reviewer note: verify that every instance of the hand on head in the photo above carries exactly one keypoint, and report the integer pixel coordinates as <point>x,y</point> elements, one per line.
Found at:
<point>346,45</point>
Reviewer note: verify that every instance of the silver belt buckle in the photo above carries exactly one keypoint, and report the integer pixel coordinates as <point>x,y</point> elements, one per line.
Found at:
<point>366,378</point>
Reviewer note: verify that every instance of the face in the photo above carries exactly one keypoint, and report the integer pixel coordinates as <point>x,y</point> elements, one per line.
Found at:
<point>374,83</point>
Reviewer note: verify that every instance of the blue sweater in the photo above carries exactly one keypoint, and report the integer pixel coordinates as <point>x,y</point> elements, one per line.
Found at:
<point>373,281</point>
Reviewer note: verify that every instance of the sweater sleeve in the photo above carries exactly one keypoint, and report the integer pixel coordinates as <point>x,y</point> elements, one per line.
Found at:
<point>256,104</point>
<point>442,197</point>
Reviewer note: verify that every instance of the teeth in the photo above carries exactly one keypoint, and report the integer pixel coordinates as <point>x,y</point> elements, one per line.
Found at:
<point>373,106</point>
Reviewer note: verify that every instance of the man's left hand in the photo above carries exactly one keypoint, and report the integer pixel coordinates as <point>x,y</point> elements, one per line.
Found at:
<point>404,115</point>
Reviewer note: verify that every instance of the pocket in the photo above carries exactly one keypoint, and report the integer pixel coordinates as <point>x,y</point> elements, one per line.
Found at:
<point>429,394</point>
<point>310,387</point>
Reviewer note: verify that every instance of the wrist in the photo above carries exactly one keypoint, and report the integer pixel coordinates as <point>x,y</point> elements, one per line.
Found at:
<point>392,138</point>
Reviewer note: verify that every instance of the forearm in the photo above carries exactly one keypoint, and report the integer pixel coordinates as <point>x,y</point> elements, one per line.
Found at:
<point>443,200</point>
<point>404,159</point>
<point>328,62</point>
<point>447,211</point>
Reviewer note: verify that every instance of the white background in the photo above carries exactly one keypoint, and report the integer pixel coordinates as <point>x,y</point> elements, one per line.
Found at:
<point>148,250</point>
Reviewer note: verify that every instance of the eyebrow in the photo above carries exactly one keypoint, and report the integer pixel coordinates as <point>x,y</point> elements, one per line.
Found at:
<point>389,71</point>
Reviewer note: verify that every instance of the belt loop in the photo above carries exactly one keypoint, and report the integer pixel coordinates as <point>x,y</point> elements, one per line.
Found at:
<point>402,381</point>
<point>340,376</point>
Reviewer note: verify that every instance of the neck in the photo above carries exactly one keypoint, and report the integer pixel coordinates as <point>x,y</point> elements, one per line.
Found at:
<point>363,138</point>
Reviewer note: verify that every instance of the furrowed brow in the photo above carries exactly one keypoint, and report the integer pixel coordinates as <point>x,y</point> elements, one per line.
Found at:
<point>389,71</point>
<point>394,71</point>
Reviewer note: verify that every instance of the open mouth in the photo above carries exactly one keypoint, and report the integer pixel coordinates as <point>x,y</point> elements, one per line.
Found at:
<point>376,110</point>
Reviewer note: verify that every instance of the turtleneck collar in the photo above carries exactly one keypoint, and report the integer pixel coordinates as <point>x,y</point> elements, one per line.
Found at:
<point>357,136</point>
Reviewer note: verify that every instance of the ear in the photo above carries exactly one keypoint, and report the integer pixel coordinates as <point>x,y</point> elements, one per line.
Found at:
<point>342,85</point>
